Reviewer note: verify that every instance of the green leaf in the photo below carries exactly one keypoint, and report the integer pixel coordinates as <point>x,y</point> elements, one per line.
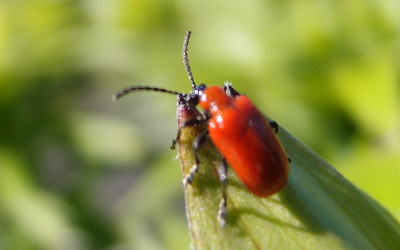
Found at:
<point>318,208</point>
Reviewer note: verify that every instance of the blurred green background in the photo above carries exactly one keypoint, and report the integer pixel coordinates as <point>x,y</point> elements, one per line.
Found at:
<point>78,171</point>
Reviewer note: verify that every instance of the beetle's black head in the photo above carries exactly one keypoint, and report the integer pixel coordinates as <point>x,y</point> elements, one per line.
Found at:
<point>198,90</point>
<point>193,98</point>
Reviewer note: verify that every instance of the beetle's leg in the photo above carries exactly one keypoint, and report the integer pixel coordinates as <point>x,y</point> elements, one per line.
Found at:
<point>199,141</point>
<point>190,122</point>
<point>229,90</point>
<point>289,160</point>
<point>274,126</point>
<point>223,176</point>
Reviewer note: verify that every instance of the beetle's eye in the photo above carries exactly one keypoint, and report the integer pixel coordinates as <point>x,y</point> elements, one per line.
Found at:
<point>201,89</point>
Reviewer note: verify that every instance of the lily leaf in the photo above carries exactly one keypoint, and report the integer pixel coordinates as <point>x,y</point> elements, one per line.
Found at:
<point>318,208</point>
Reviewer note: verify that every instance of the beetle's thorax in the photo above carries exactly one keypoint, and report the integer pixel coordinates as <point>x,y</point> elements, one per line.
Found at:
<point>214,99</point>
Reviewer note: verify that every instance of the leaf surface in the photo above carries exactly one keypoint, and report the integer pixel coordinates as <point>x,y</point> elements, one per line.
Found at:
<point>318,208</point>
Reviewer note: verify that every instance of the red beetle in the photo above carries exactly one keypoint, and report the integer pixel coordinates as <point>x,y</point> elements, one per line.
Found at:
<point>247,141</point>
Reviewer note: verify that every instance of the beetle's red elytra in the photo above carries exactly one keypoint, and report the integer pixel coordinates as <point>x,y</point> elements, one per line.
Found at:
<point>246,140</point>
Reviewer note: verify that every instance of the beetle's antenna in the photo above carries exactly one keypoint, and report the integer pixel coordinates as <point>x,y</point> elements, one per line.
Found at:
<point>144,88</point>
<point>186,59</point>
